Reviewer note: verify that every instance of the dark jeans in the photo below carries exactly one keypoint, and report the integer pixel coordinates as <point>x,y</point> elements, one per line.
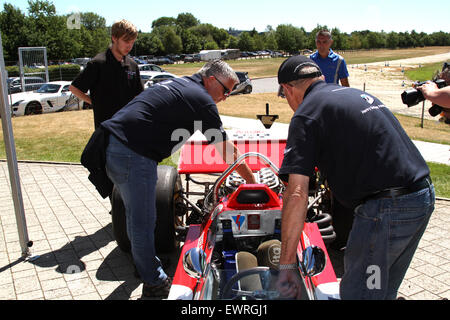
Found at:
<point>135,176</point>
<point>381,245</point>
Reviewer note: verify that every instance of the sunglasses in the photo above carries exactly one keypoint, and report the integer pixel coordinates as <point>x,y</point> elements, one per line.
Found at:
<point>281,92</point>
<point>226,91</point>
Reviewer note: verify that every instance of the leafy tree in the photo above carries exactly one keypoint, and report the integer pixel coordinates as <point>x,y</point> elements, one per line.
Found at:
<point>187,20</point>
<point>392,40</point>
<point>233,43</point>
<point>340,40</point>
<point>164,21</point>
<point>13,30</point>
<point>246,42</point>
<point>271,40</point>
<point>94,34</point>
<point>48,30</point>
<point>191,42</point>
<point>148,44</point>
<point>171,41</point>
<point>290,38</point>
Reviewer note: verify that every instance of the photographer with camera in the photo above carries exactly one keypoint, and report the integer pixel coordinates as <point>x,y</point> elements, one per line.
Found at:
<point>439,96</point>
<point>437,91</point>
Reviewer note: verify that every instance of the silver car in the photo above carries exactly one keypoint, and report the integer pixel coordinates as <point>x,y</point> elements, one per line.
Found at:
<point>244,85</point>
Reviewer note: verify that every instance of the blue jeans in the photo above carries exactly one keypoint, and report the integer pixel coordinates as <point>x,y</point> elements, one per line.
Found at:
<point>135,176</point>
<point>381,245</point>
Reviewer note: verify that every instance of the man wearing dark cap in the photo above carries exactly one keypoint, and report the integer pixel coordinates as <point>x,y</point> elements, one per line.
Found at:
<point>371,166</point>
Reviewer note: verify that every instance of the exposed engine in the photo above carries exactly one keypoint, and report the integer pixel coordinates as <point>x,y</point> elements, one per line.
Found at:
<point>264,176</point>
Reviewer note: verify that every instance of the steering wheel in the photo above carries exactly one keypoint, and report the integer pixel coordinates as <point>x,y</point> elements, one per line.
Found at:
<point>228,291</point>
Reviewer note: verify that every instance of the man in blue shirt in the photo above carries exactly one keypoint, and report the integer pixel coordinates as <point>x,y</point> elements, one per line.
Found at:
<point>333,66</point>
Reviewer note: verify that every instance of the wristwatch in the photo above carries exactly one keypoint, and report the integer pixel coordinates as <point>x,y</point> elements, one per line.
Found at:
<point>292,266</point>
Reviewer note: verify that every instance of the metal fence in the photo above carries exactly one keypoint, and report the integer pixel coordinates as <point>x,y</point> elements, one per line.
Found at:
<point>33,68</point>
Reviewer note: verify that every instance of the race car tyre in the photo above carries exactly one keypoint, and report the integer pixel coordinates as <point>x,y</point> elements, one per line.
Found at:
<point>119,221</point>
<point>167,192</point>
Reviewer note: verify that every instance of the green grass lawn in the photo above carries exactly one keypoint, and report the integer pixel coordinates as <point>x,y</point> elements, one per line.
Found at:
<point>424,73</point>
<point>440,174</point>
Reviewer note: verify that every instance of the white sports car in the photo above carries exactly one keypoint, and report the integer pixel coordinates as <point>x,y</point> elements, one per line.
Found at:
<point>50,97</point>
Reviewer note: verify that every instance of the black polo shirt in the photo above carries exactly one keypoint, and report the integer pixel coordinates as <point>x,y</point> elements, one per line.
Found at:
<point>112,84</point>
<point>354,140</point>
<point>162,118</point>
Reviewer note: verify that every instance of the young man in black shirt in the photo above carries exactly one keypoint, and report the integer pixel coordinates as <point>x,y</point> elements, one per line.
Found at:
<point>371,166</point>
<point>112,78</point>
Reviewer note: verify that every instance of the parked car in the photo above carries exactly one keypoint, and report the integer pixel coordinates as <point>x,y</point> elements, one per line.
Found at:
<point>150,67</point>
<point>150,78</point>
<point>31,83</point>
<point>245,84</point>
<point>160,61</point>
<point>50,97</point>
<point>191,58</point>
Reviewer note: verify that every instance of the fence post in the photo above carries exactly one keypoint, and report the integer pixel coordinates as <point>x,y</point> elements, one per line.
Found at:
<point>8,137</point>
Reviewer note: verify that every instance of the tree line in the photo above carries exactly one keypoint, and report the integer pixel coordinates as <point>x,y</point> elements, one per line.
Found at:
<point>42,27</point>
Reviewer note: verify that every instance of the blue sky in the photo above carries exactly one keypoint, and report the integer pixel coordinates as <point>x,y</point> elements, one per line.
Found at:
<point>427,16</point>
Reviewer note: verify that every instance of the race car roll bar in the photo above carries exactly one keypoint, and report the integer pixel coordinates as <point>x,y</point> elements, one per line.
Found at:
<point>233,167</point>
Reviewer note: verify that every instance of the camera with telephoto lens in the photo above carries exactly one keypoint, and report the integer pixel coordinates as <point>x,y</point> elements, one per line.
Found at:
<point>412,97</point>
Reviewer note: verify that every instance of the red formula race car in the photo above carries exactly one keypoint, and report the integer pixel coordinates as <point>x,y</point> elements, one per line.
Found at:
<point>231,232</point>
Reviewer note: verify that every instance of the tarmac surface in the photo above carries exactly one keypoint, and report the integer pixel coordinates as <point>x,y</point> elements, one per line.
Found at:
<point>74,255</point>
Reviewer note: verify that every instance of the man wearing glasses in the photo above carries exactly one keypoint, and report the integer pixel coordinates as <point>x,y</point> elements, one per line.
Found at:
<point>142,134</point>
<point>371,166</point>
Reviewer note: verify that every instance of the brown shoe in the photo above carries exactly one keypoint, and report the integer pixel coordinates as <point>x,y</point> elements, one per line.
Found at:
<point>157,291</point>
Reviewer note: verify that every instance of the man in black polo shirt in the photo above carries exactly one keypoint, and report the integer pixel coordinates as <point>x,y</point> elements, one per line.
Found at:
<point>151,128</point>
<point>112,78</point>
<point>371,165</point>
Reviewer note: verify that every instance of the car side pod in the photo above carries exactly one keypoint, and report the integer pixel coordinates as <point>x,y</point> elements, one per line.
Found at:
<point>313,262</point>
<point>194,263</point>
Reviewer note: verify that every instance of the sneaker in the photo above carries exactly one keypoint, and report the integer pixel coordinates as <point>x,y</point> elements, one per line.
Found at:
<point>158,291</point>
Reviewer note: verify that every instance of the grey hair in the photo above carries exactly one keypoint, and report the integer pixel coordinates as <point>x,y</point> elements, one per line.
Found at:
<point>325,33</point>
<point>218,68</point>
<point>308,69</point>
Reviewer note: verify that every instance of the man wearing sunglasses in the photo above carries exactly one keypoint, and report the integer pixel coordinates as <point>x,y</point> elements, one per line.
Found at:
<point>145,132</point>
<point>371,166</point>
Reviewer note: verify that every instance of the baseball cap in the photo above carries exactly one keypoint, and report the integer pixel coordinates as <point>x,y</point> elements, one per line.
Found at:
<point>289,69</point>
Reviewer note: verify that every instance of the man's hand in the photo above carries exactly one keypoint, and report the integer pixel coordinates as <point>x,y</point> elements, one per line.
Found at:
<point>80,94</point>
<point>428,89</point>
<point>230,153</point>
<point>441,97</point>
<point>289,284</point>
